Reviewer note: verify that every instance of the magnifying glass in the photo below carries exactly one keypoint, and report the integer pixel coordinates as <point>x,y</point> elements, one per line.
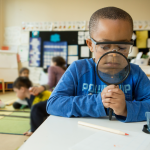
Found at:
<point>113,68</point>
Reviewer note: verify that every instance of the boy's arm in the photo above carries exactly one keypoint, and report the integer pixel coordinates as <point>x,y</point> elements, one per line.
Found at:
<point>136,109</point>
<point>64,102</point>
<point>35,90</point>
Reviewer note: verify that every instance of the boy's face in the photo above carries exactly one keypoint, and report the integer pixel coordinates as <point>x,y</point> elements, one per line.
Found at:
<point>25,73</point>
<point>109,30</point>
<point>20,93</point>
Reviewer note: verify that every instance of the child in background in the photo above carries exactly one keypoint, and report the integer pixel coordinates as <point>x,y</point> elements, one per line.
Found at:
<point>21,103</point>
<point>55,71</point>
<point>37,103</point>
<point>24,72</point>
<point>80,93</point>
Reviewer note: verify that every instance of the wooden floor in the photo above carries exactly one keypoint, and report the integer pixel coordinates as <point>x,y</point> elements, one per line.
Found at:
<point>11,142</point>
<point>8,96</point>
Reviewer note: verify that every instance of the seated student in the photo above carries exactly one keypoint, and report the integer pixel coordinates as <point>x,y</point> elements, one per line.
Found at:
<point>55,71</point>
<point>80,93</point>
<point>24,72</point>
<point>36,103</point>
<point>20,103</point>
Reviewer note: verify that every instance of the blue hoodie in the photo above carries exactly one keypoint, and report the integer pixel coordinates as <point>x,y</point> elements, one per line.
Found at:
<point>78,93</point>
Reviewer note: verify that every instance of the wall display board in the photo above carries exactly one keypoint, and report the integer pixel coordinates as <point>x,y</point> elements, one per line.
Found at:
<point>70,37</point>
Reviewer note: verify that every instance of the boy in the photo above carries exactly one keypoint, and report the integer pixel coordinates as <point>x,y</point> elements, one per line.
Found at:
<point>22,103</point>
<point>80,93</point>
<point>36,103</point>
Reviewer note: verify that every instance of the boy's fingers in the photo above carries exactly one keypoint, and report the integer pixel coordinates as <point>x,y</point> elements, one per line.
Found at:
<point>30,89</point>
<point>109,105</point>
<point>111,87</point>
<point>109,100</point>
<point>109,94</point>
<point>116,90</point>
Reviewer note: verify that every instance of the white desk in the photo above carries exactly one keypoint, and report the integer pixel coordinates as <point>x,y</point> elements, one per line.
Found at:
<point>58,133</point>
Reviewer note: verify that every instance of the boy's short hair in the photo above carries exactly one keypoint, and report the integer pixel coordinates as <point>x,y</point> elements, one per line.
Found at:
<point>108,13</point>
<point>23,69</point>
<point>22,82</point>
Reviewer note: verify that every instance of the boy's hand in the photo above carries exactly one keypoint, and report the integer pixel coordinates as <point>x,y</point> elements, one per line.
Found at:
<point>36,90</point>
<point>113,97</point>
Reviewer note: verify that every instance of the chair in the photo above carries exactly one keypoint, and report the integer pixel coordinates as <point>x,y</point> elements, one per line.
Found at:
<point>3,85</point>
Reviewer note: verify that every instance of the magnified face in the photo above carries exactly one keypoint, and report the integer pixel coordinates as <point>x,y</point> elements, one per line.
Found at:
<point>113,68</point>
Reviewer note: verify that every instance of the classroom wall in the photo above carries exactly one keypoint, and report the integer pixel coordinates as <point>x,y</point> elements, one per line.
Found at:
<point>1,22</point>
<point>16,11</point>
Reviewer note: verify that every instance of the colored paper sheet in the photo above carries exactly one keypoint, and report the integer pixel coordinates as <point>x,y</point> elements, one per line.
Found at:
<point>141,41</point>
<point>73,50</point>
<point>84,51</point>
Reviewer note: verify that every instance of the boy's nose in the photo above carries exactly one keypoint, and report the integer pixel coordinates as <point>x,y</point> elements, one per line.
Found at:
<point>112,54</point>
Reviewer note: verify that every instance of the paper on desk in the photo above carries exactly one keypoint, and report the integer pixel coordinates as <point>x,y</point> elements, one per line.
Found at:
<point>109,141</point>
<point>141,40</point>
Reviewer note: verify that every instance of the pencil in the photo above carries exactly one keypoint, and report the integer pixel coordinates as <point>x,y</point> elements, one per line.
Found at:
<point>101,128</point>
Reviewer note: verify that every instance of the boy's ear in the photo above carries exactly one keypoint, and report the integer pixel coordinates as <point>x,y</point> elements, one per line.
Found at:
<point>89,44</point>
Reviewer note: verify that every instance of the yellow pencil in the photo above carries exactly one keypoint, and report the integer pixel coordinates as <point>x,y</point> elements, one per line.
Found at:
<point>101,128</point>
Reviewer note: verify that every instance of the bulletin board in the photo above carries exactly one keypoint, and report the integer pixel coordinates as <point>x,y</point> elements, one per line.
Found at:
<point>71,37</point>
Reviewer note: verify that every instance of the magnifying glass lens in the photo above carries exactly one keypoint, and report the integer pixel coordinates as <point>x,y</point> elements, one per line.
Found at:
<point>113,68</point>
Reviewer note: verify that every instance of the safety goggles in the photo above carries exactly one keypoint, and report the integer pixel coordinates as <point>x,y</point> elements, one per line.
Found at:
<point>119,46</point>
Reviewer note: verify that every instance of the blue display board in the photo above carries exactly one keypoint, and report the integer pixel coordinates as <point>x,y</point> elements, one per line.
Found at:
<point>52,49</point>
<point>35,52</point>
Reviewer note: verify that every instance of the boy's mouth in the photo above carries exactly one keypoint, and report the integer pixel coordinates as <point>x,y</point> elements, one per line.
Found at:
<point>112,64</point>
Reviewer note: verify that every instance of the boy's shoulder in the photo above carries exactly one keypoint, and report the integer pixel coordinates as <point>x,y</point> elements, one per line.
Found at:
<point>136,72</point>
<point>82,66</point>
<point>134,68</point>
<point>84,63</point>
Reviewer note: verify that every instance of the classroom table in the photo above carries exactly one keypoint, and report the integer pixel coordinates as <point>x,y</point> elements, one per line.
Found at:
<point>60,133</point>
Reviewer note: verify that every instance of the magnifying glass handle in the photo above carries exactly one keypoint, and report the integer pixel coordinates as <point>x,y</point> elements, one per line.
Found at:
<point>110,113</point>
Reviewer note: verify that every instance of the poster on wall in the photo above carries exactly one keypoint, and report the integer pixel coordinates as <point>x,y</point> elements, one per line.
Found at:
<point>141,25</point>
<point>52,49</point>
<point>37,26</point>
<point>35,52</point>
<point>23,52</point>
